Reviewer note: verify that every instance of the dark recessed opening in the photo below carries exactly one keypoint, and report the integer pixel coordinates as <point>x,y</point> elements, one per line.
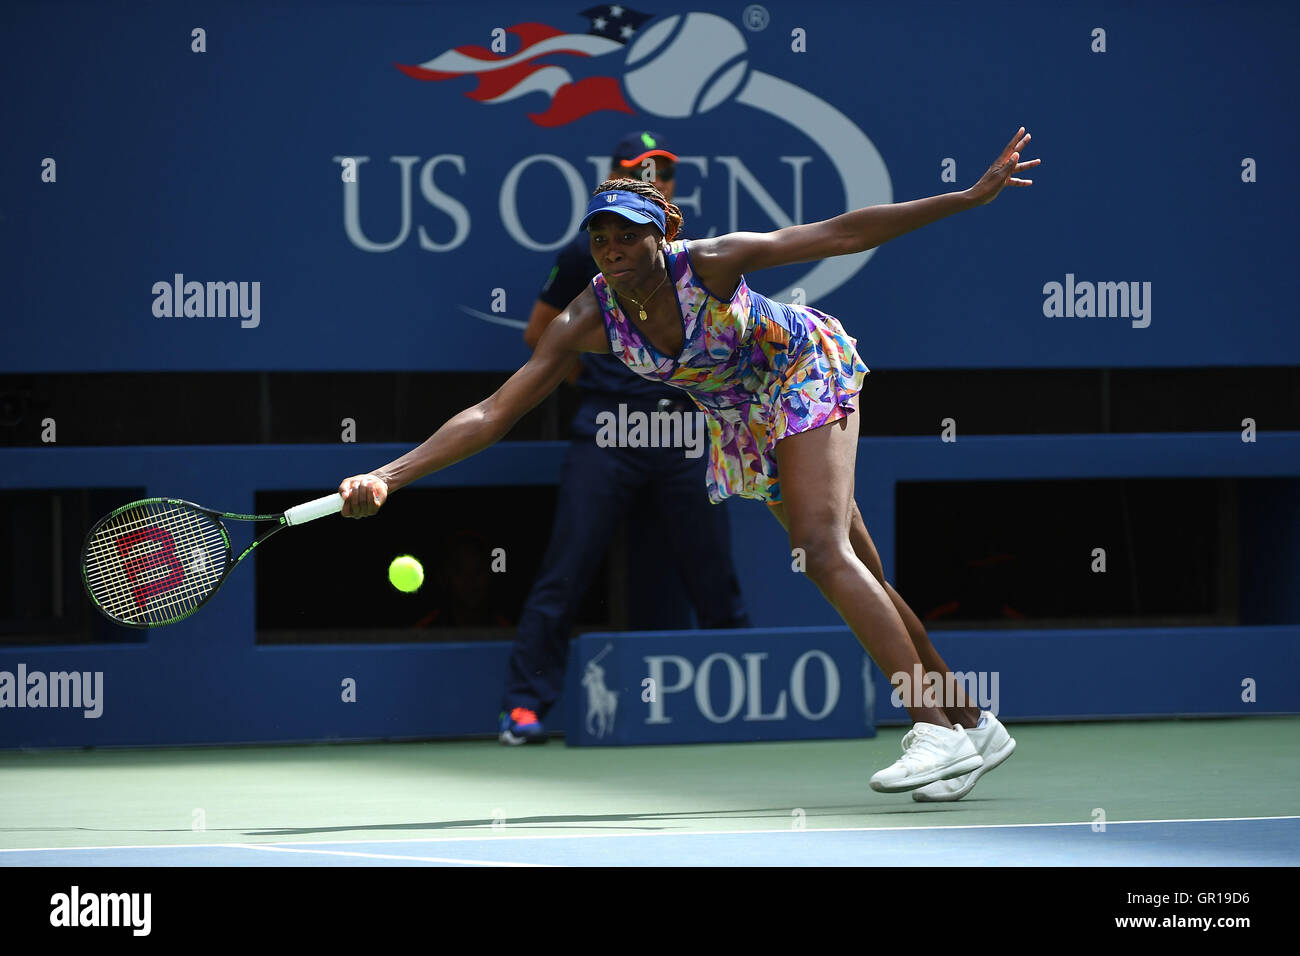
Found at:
<point>42,599</point>
<point>1032,553</point>
<point>480,548</point>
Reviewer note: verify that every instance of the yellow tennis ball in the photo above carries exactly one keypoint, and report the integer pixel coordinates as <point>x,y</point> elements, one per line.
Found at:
<point>406,574</point>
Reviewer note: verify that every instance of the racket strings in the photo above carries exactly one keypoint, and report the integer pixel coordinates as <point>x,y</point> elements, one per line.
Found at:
<point>203,563</point>
<point>105,571</point>
<point>155,563</point>
<point>199,562</point>
<point>180,570</point>
<point>112,580</point>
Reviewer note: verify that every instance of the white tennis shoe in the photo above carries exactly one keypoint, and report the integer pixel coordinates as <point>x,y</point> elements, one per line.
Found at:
<point>930,753</point>
<point>994,745</point>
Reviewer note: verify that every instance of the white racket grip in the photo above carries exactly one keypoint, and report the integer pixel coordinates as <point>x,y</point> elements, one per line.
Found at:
<point>311,510</point>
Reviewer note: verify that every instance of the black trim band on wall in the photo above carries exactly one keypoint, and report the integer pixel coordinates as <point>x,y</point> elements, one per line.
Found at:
<point>182,408</point>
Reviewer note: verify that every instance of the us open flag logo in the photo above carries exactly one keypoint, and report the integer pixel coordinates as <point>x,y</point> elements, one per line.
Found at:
<point>535,67</point>
<point>677,66</point>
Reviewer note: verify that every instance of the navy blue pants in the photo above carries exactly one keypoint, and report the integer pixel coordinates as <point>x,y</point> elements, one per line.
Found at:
<point>662,493</point>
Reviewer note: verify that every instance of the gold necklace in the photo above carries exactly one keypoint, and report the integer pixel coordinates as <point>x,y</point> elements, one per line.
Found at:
<point>643,316</point>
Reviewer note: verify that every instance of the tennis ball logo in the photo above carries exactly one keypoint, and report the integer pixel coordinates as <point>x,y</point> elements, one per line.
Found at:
<point>685,65</point>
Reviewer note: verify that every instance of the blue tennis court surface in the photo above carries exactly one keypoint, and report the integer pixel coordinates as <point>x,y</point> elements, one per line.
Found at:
<point>1201,843</point>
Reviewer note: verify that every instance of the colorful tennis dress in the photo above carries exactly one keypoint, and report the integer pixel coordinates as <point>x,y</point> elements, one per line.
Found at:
<point>760,370</point>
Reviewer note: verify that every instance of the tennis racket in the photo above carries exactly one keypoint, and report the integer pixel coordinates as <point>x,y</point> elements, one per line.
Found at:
<point>158,560</point>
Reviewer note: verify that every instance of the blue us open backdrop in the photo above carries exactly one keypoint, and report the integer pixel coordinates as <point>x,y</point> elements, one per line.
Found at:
<point>1162,212</point>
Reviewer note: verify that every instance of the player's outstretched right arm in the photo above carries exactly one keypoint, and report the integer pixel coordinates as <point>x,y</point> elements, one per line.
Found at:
<point>577,329</point>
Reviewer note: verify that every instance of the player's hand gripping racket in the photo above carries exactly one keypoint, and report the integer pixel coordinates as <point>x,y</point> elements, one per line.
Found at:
<point>157,561</point>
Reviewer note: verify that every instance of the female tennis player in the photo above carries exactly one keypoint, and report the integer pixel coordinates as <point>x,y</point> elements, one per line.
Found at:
<point>779,385</point>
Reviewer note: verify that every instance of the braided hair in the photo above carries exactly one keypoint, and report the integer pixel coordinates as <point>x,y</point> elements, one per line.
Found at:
<point>672,215</point>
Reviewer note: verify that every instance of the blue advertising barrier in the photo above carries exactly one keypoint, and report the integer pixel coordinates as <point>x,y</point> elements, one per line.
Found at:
<point>721,686</point>
<point>184,688</point>
<point>181,690</point>
<point>1118,672</point>
<point>287,176</point>
<point>674,687</point>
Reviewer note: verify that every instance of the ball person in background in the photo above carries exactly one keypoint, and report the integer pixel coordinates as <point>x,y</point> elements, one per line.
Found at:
<point>599,485</point>
<point>779,384</point>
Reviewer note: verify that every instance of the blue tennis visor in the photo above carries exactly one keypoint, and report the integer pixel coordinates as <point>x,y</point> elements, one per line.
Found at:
<point>628,205</point>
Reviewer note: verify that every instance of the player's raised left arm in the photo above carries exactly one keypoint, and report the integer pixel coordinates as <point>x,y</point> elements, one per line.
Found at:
<point>857,231</point>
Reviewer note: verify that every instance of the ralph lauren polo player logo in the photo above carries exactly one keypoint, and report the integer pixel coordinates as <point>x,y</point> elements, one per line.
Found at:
<point>602,703</point>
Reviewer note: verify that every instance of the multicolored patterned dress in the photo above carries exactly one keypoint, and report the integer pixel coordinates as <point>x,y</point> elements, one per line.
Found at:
<point>760,370</point>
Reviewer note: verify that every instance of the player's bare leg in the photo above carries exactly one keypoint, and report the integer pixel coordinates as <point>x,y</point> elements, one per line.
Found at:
<point>992,741</point>
<point>959,710</point>
<point>816,475</point>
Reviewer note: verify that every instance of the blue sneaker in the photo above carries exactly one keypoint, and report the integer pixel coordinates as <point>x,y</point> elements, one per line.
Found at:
<point>521,726</point>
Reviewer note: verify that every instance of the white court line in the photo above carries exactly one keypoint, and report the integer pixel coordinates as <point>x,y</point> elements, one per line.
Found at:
<point>377,856</point>
<point>679,833</point>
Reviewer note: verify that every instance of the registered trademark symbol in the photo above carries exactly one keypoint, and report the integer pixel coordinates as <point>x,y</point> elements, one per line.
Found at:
<point>756,17</point>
